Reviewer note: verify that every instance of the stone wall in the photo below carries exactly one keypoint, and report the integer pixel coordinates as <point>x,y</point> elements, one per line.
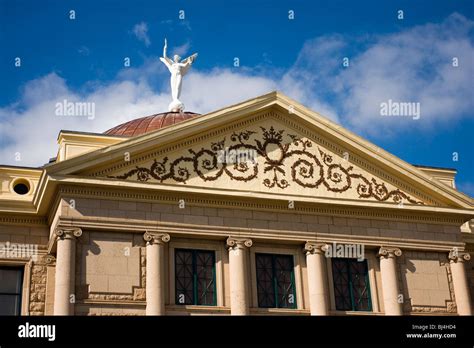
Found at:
<point>16,234</point>
<point>429,289</point>
<point>110,267</point>
<point>38,287</point>
<point>30,244</point>
<point>426,282</point>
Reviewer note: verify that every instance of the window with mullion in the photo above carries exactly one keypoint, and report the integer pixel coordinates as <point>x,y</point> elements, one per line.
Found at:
<point>195,277</point>
<point>265,281</point>
<point>11,285</point>
<point>351,285</point>
<point>205,278</point>
<point>275,281</point>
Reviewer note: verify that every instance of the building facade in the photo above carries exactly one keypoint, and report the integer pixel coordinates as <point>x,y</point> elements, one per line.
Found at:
<point>260,208</point>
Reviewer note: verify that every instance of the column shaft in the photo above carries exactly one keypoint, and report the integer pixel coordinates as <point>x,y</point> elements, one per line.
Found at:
<point>155,273</point>
<point>390,288</point>
<point>461,287</point>
<point>239,303</point>
<point>317,278</point>
<point>64,288</point>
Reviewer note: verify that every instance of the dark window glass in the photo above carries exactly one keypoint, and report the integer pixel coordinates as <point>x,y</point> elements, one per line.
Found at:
<point>351,285</point>
<point>275,281</point>
<point>195,277</point>
<point>11,280</point>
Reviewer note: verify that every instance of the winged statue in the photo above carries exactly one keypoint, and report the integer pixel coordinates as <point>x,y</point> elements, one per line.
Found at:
<point>177,69</point>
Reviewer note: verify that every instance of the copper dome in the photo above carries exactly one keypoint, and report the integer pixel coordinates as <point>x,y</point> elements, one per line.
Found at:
<point>149,124</point>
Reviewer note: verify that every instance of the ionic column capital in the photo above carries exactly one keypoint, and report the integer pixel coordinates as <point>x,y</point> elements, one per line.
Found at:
<point>50,259</point>
<point>311,248</point>
<point>238,243</point>
<point>68,233</point>
<point>458,256</point>
<point>156,238</point>
<point>386,252</point>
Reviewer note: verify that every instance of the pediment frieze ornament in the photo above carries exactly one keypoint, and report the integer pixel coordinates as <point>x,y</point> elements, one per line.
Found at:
<point>287,160</point>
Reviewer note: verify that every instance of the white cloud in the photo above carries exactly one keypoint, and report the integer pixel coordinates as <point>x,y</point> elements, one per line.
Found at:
<point>208,91</point>
<point>182,50</point>
<point>84,50</point>
<point>30,126</point>
<point>140,30</point>
<point>171,24</point>
<point>413,65</point>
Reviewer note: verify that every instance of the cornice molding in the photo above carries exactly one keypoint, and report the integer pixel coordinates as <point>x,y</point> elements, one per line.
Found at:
<point>24,220</point>
<point>278,206</point>
<point>187,230</point>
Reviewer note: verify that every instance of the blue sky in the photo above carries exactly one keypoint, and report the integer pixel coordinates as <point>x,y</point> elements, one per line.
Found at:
<point>408,60</point>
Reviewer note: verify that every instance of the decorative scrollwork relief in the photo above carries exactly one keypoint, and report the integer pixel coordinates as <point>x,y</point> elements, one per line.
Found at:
<point>284,164</point>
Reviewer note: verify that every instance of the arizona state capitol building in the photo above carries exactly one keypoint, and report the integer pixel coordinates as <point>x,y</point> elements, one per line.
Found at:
<point>147,218</point>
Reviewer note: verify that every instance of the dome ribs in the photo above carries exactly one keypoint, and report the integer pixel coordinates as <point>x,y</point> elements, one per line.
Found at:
<point>149,124</point>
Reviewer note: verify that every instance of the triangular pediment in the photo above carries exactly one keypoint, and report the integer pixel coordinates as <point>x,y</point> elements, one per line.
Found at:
<point>266,156</point>
<point>268,145</point>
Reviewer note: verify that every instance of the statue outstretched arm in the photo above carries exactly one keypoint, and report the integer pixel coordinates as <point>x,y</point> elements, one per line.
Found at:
<point>190,59</point>
<point>164,49</point>
<point>165,59</point>
<point>186,63</point>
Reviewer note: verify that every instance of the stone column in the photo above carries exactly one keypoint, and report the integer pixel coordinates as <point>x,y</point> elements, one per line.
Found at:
<point>239,303</point>
<point>388,270</point>
<point>461,287</point>
<point>64,287</point>
<point>317,278</point>
<point>155,272</point>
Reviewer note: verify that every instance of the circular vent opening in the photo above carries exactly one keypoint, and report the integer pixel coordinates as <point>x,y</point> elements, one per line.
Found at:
<point>21,187</point>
